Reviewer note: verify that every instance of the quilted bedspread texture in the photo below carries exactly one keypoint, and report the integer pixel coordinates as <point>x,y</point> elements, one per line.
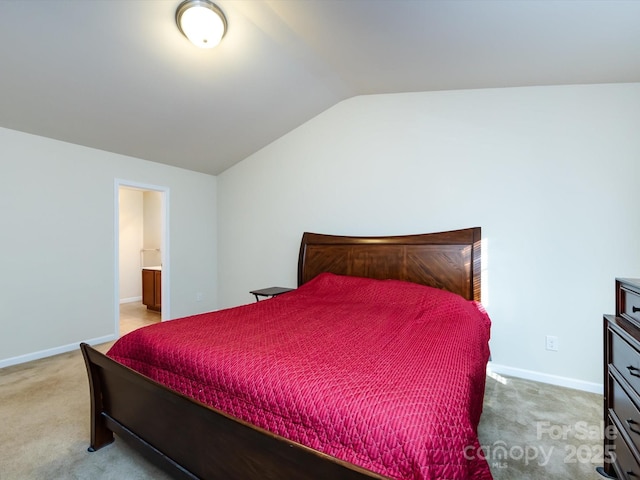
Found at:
<point>384,374</point>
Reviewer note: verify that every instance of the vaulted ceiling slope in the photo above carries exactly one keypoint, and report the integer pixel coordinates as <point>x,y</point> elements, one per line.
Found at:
<point>117,74</point>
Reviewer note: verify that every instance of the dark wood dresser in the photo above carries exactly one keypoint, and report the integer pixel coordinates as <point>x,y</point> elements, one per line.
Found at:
<point>622,383</point>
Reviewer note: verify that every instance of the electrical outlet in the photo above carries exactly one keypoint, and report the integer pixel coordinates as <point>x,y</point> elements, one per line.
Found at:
<point>552,343</point>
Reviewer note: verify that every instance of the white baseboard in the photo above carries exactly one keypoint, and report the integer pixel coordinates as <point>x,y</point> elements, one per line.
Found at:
<point>491,367</point>
<point>546,378</point>
<point>130,299</point>
<point>7,362</point>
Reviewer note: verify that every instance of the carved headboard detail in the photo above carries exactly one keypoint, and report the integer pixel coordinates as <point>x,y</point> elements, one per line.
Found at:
<point>448,260</point>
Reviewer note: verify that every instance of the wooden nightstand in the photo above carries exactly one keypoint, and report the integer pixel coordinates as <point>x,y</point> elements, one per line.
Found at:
<point>269,292</point>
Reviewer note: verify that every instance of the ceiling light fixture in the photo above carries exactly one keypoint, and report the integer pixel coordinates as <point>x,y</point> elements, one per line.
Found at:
<point>202,22</point>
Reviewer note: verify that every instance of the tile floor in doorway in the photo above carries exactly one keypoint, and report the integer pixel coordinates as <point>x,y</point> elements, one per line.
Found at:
<point>135,315</point>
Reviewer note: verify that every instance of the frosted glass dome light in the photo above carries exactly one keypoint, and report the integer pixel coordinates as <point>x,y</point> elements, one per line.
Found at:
<point>202,22</point>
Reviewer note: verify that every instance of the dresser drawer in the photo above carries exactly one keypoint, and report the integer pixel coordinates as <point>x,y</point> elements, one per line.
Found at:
<point>627,413</point>
<point>626,359</point>
<point>629,303</point>
<point>626,465</point>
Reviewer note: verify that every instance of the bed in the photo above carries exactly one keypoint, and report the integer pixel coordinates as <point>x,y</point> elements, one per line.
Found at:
<point>357,389</point>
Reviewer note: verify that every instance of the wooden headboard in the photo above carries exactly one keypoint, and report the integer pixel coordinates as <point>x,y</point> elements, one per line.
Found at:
<point>447,260</point>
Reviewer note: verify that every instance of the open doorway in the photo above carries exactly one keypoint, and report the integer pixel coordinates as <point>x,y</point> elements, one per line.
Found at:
<point>142,254</point>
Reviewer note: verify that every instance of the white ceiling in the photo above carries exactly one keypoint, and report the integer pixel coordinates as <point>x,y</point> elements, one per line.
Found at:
<point>117,74</point>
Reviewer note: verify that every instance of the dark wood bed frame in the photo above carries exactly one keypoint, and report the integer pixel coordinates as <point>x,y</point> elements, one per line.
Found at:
<point>191,440</point>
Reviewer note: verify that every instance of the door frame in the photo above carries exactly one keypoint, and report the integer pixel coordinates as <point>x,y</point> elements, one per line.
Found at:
<point>164,247</point>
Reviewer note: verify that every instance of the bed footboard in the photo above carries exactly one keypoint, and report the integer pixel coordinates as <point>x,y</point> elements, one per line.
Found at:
<point>191,440</point>
<point>100,433</point>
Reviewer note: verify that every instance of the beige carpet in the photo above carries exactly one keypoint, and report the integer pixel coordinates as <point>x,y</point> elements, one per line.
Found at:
<point>529,430</point>
<point>535,431</point>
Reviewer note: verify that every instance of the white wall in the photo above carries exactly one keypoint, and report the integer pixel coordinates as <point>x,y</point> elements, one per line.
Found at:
<point>131,235</point>
<point>550,174</point>
<point>57,242</point>
<point>152,229</point>
<point>140,238</point>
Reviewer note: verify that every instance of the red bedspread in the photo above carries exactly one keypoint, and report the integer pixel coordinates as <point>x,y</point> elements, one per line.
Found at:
<point>387,375</point>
